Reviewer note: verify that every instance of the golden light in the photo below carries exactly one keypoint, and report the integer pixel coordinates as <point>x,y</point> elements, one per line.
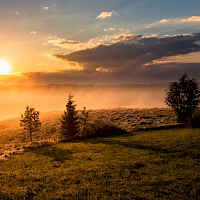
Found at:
<point>5,67</point>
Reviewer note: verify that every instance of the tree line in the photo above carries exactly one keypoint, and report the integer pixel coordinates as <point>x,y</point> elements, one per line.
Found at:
<point>183,96</point>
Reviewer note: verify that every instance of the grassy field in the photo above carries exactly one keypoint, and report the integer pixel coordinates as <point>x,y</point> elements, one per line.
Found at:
<point>156,164</point>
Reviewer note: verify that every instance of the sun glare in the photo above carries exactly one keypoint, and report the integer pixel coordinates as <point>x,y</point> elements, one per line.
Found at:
<point>5,67</point>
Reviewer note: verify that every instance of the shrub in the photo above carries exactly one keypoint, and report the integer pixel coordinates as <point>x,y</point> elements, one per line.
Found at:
<point>195,121</point>
<point>100,128</point>
<point>84,122</point>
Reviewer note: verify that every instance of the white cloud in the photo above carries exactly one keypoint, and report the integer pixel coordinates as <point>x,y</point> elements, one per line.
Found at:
<point>33,32</point>
<point>17,13</point>
<point>73,45</point>
<point>115,29</point>
<point>192,19</point>
<point>104,15</point>
<point>164,21</point>
<point>45,8</point>
<point>175,21</point>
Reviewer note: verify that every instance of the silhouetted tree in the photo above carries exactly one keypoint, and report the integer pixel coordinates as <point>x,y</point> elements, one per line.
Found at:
<point>30,121</point>
<point>184,97</point>
<point>69,121</point>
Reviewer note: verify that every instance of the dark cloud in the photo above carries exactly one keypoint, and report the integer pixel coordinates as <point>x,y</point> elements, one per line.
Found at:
<point>134,61</point>
<point>70,42</point>
<point>124,63</point>
<point>158,73</point>
<point>134,53</point>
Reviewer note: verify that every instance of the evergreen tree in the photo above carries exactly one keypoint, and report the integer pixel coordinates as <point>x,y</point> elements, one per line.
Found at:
<point>69,121</point>
<point>30,121</point>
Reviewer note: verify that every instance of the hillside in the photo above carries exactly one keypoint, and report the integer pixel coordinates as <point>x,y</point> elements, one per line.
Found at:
<point>127,119</point>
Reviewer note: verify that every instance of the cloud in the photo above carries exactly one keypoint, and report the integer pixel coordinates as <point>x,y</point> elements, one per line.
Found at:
<point>104,15</point>
<point>158,73</point>
<point>192,19</point>
<point>70,42</point>
<point>33,32</point>
<point>74,45</point>
<point>45,8</point>
<point>164,21</point>
<point>175,21</point>
<point>115,29</point>
<point>139,56</point>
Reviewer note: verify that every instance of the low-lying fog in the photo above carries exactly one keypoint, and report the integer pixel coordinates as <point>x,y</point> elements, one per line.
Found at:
<point>14,99</point>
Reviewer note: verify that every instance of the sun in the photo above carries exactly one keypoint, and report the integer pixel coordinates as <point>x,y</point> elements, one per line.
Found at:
<point>5,67</point>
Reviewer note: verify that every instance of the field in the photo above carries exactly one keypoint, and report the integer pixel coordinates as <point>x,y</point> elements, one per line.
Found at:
<point>144,164</point>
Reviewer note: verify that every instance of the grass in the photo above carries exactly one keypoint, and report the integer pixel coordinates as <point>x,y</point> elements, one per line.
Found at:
<point>156,164</point>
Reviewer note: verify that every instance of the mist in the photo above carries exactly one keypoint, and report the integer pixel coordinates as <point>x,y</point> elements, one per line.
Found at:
<point>43,98</point>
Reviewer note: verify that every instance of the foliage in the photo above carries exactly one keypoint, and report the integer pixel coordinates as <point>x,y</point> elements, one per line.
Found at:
<point>101,128</point>
<point>69,121</point>
<point>184,97</point>
<point>30,121</point>
<point>195,122</point>
<point>84,122</point>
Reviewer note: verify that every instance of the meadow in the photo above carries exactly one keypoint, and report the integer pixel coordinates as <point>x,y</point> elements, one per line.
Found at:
<point>139,164</point>
<point>156,164</point>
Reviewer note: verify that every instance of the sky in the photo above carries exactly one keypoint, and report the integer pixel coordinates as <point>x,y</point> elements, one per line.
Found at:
<point>99,41</point>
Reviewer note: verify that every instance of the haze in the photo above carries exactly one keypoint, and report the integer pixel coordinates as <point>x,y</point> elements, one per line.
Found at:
<point>14,99</point>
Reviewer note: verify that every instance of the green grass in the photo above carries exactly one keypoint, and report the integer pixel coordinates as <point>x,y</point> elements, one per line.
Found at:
<point>155,164</point>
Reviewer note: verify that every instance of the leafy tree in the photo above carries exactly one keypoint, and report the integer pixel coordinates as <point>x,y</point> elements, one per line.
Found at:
<point>30,121</point>
<point>184,97</point>
<point>69,121</point>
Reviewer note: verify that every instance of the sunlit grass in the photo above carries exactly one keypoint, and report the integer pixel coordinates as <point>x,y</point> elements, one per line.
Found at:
<point>141,165</point>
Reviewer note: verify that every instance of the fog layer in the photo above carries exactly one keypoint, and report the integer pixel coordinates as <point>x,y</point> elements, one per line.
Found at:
<point>14,99</point>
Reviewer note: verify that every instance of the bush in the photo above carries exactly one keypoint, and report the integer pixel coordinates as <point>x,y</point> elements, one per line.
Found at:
<point>195,122</point>
<point>100,128</point>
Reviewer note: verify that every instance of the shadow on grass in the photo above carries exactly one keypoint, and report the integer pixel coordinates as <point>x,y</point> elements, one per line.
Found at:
<point>56,153</point>
<point>138,146</point>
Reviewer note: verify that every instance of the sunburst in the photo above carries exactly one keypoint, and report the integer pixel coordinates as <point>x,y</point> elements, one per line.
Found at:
<point>5,67</point>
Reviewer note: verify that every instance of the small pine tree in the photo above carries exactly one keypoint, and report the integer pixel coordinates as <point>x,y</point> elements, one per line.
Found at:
<point>30,121</point>
<point>184,97</point>
<point>84,118</point>
<point>69,121</point>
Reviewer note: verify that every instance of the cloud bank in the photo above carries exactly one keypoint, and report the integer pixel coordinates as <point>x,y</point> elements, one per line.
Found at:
<point>138,55</point>
<point>127,59</point>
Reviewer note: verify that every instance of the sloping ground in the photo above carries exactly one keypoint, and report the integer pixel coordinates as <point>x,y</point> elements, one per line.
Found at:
<point>12,135</point>
<point>126,119</point>
<point>159,164</point>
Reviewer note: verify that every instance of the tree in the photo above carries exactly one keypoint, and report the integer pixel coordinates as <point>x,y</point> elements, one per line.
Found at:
<point>30,121</point>
<point>84,118</point>
<point>69,121</point>
<point>184,97</point>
